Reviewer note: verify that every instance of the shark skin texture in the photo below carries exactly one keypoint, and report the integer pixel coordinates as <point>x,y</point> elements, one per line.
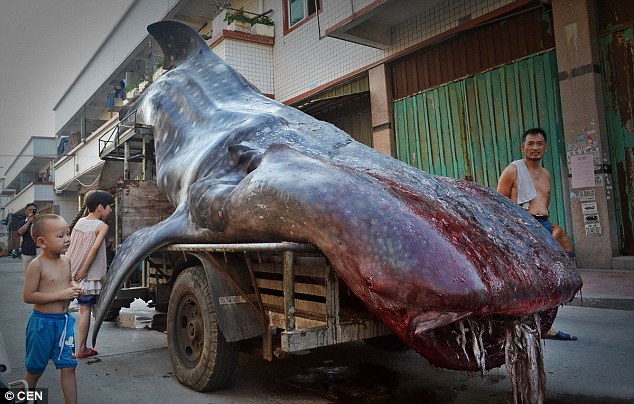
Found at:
<point>424,253</point>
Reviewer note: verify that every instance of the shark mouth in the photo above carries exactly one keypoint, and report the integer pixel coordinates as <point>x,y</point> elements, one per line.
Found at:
<point>485,343</point>
<point>479,344</point>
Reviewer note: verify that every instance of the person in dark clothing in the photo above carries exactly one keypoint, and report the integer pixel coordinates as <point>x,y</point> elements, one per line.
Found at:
<point>29,248</point>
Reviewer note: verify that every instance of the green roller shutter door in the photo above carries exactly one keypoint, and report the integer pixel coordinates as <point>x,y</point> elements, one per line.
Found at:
<point>471,128</point>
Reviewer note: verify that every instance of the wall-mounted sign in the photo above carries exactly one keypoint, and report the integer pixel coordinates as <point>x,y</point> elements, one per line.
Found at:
<point>586,195</point>
<point>589,208</point>
<point>593,229</point>
<point>591,219</point>
<point>598,180</point>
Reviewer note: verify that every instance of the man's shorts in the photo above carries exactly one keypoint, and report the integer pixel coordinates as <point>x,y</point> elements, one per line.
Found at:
<point>544,220</point>
<point>87,300</point>
<point>49,336</point>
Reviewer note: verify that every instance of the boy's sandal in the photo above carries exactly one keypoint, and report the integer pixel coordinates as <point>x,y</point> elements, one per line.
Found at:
<point>561,336</point>
<point>91,352</point>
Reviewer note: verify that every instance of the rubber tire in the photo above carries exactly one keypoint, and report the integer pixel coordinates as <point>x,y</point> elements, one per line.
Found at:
<point>201,358</point>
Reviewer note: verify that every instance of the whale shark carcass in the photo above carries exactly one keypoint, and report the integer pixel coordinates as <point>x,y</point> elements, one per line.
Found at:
<point>424,253</point>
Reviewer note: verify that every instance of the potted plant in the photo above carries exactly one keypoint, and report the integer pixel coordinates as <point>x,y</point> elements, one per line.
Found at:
<point>256,25</point>
<point>159,70</point>
<point>143,84</point>
<point>238,21</point>
<point>131,91</point>
<point>263,25</point>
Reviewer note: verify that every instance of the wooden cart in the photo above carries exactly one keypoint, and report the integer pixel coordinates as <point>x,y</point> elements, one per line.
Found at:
<point>271,298</point>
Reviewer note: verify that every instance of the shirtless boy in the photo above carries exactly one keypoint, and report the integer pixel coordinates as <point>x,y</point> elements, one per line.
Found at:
<point>527,183</point>
<point>48,286</point>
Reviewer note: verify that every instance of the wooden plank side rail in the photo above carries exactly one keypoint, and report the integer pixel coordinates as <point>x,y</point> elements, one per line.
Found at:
<point>304,288</point>
<point>302,308</point>
<point>299,293</point>
<point>289,290</point>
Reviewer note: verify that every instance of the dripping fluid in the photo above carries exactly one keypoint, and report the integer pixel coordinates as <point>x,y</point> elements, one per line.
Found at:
<point>525,361</point>
<point>523,355</point>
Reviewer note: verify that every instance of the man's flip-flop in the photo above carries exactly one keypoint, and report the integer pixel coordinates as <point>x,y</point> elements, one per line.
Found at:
<point>91,352</point>
<point>561,336</point>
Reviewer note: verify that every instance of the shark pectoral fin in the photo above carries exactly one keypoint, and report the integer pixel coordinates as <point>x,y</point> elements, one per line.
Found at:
<point>247,157</point>
<point>209,197</point>
<point>134,250</point>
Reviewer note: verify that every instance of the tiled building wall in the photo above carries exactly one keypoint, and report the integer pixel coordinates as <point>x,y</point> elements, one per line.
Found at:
<point>440,19</point>
<point>218,24</point>
<point>305,59</point>
<point>254,61</point>
<point>252,6</point>
<point>66,205</point>
<point>219,49</point>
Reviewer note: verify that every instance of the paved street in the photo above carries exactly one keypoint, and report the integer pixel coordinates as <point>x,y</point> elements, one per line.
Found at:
<point>134,366</point>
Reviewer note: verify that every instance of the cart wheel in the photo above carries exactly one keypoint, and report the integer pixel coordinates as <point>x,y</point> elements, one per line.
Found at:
<point>200,356</point>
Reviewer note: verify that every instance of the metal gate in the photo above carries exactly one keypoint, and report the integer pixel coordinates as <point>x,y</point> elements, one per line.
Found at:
<point>617,59</point>
<point>346,106</point>
<point>472,128</point>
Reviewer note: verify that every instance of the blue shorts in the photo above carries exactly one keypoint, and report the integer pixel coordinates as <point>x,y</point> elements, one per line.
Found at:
<point>544,220</point>
<point>49,336</point>
<point>87,300</point>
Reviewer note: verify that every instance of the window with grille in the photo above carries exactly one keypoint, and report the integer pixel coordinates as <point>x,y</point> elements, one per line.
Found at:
<point>299,10</point>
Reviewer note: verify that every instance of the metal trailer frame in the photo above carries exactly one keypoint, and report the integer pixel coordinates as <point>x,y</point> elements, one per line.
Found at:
<point>233,301</point>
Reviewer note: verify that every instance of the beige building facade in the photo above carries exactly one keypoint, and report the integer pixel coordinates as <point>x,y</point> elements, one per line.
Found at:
<point>447,86</point>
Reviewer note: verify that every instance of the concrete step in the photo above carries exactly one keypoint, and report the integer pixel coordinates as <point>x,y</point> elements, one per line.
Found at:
<point>623,263</point>
<point>606,289</point>
<point>607,302</point>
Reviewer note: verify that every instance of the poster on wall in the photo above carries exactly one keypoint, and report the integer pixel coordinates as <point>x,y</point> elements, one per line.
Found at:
<point>582,167</point>
<point>584,161</point>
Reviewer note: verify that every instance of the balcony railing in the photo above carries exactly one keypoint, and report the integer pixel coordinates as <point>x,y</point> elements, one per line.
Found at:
<point>112,144</point>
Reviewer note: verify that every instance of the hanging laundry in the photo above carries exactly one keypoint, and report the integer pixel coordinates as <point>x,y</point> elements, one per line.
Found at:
<point>110,99</point>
